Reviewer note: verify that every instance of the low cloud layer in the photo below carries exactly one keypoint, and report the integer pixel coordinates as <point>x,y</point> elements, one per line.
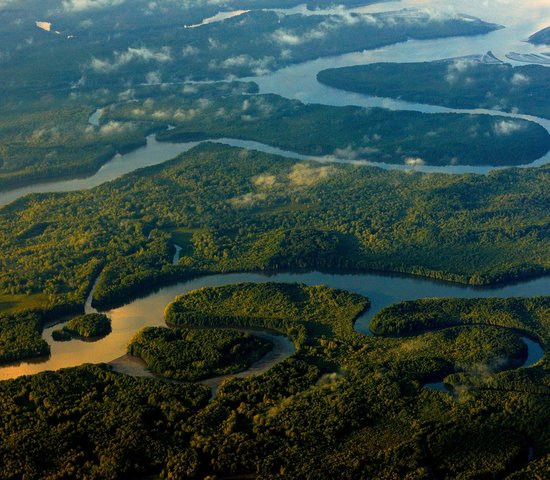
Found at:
<point>81,5</point>
<point>507,127</point>
<point>120,59</point>
<point>305,175</point>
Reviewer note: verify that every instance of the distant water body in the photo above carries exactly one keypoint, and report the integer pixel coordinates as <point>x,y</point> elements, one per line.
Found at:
<point>521,19</point>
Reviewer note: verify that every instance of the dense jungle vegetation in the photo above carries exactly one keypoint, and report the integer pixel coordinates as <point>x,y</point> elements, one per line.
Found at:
<point>239,210</point>
<point>196,354</point>
<point>374,134</point>
<point>53,80</point>
<point>456,83</point>
<point>299,311</point>
<point>20,337</point>
<point>90,423</point>
<point>344,406</point>
<point>50,138</point>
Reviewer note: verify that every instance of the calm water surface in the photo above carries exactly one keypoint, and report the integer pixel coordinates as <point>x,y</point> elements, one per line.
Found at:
<point>382,289</point>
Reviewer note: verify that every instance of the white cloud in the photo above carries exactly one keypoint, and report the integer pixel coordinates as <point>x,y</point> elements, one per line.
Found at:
<point>507,127</point>
<point>80,5</point>
<point>247,200</point>
<point>189,89</point>
<point>458,67</point>
<point>305,175</point>
<point>519,79</point>
<point>153,78</point>
<point>333,22</point>
<point>415,161</point>
<point>260,66</point>
<point>355,153</point>
<point>286,37</point>
<point>264,181</point>
<point>143,54</point>
<point>115,128</point>
<point>189,50</point>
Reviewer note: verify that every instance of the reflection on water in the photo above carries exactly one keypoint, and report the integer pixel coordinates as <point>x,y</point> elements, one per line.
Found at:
<point>535,352</point>
<point>437,386</point>
<point>382,289</point>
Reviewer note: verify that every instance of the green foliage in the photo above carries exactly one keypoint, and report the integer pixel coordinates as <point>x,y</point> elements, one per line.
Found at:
<point>50,138</point>
<point>250,44</point>
<point>18,303</point>
<point>188,354</point>
<point>344,406</point>
<point>52,81</point>
<point>414,317</point>
<point>456,83</point>
<point>149,266</point>
<point>87,422</point>
<point>61,335</point>
<point>20,337</point>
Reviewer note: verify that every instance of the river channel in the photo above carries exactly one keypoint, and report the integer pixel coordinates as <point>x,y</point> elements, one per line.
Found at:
<point>382,289</point>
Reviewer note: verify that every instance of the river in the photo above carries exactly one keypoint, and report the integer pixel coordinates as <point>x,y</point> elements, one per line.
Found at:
<point>382,289</point>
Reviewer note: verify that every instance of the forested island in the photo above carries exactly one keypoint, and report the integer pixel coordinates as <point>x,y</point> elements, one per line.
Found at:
<point>345,405</point>
<point>54,78</point>
<point>153,44</point>
<point>466,82</point>
<point>298,311</point>
<point>351,133</point>
<point>93,325</point>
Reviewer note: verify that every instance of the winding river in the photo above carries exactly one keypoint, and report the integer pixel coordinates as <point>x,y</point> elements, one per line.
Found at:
<point>299,81</point>
<point>382,289</point>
